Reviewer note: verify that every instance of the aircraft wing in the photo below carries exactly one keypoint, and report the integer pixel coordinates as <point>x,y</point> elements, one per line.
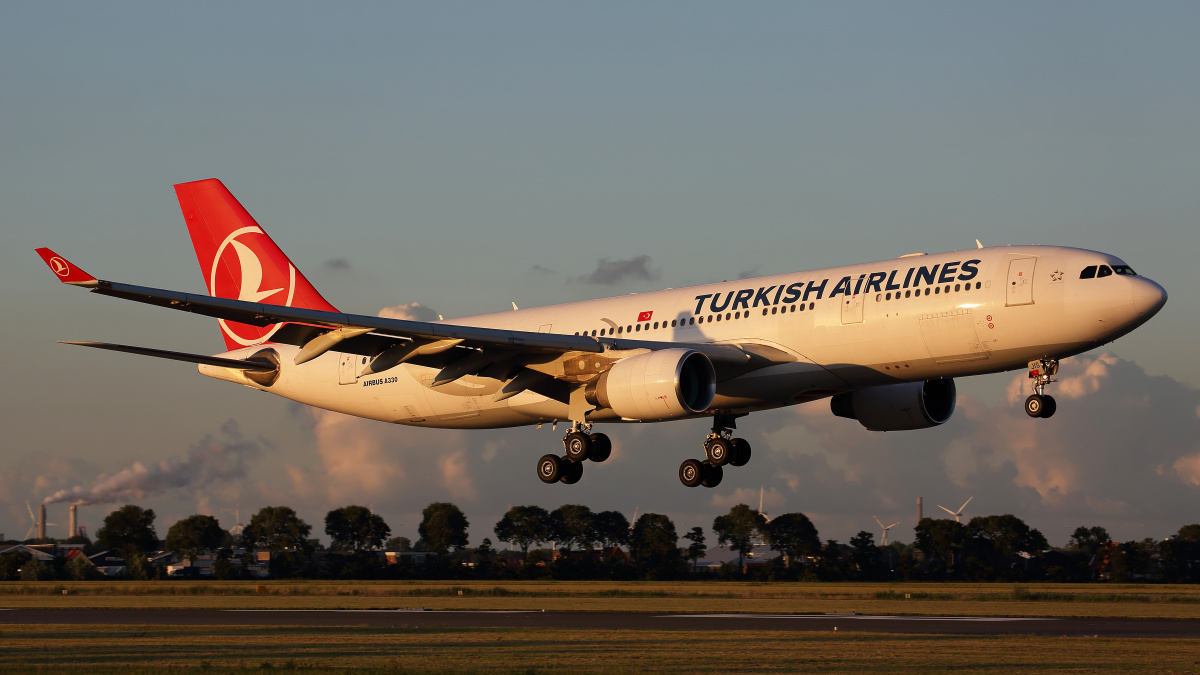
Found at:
<point>318,331</point>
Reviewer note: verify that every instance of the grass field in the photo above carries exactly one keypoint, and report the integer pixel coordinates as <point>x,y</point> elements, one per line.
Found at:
<point>1080,600</point>
<point>159,649</point>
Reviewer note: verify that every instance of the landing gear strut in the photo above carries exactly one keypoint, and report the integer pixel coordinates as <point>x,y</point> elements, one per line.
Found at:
<point>579,444</point>
<point>1041,404</point>
<point>720,448</point>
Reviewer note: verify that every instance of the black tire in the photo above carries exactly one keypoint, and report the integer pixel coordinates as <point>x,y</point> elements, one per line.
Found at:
<point>1034,405</point>
<point>578,446</point>
<point>550,468</point>
<point>718,450</point>
<point>601,447</point>
<point>691,472</point>
<point>572,471</point>
<point>741,452</point>
<point>1049,406</point>
<point>713,474</point>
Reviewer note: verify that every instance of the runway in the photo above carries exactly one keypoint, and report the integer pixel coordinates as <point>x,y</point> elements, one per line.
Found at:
<point>946,625</point>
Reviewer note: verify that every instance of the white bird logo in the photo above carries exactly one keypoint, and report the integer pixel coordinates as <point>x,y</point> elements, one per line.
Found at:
<point>252,272</point>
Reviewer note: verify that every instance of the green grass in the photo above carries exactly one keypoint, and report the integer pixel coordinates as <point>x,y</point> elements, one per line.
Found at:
<point>1084,600</point>
<point>160,649</point>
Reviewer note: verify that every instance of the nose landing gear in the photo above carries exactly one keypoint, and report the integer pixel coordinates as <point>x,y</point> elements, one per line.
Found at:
<point>579,444</point>
<point>1041,404</point>
<point>720,449</point>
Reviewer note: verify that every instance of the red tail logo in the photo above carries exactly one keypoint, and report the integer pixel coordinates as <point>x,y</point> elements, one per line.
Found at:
<point>240,261</point>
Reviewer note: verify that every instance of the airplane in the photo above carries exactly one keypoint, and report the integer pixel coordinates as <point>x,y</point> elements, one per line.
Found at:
<point>883,341</point>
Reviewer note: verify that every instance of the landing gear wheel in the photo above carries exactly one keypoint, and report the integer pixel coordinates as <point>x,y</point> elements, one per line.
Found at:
<point>1048,406</point>
<point>741,452</point>
<point>718,451</point>
<point>713,474</point>
<point>601,447</point>
<point>1035,405</point>
<point>578,446</point>
<point>691,472</point>
<point>572,471</point>
<point>550,468</point>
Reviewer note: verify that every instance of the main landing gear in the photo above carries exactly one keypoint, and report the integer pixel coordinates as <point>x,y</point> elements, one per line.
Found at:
<point>1042,372</point>
<point>579,444</point>
<point>720,448</point>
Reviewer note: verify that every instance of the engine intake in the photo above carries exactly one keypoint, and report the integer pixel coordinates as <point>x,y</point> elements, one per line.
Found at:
<point>898,407</point>
<point>661,385</point>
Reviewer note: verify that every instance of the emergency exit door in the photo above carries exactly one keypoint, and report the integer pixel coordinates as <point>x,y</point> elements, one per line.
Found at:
<point>347,369</point>
<point>1020,281</point>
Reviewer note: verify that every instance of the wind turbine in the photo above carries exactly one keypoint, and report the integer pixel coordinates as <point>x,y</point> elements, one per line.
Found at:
<point>885,529</point>
<point>760,503</point>
<point>33,527</point>
<point>238,526</point>
<point>957,514</point>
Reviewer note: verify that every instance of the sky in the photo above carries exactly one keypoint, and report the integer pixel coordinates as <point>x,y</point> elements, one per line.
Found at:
<point>465,156</point>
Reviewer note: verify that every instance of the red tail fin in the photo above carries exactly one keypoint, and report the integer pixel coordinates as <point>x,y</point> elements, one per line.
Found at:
<point>239,260</point>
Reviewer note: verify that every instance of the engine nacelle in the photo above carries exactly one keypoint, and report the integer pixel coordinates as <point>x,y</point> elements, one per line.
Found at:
<point>661,385</point>
<point>898,407</point>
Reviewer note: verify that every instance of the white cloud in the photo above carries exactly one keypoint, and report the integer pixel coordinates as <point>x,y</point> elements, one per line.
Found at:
<point>413,311</point>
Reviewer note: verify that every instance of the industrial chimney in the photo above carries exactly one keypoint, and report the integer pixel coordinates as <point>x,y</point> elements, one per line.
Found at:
<point>42,521</point>
<point>74,521</point>
<point>919,514</point>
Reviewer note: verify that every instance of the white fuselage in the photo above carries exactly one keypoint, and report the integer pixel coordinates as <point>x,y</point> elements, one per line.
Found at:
<point>909,319</point>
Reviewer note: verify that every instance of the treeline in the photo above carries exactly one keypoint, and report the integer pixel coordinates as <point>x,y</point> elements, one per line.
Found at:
<point>574,542</point>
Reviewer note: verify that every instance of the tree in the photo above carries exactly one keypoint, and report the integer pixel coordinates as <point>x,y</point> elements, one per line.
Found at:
<point>399,544</point>
<point>865,554</point>
<point>276,528</point>
<point>1089,539</point>
<point>194,534</point>
<point>794,536</point>
<point>696,550</point>
<point>443,525</point>
<point>129,531</point>
<point>612,528</point>
<point>81,569</point>
<point>655,544</point>
<point>484,554</point>
<point>738,528</point>
<point>522,526</point>
<point>941,541</point>
<point>11,564</point>
<point>1180,555</point>
<point>36,570</point>
<point>1006,535</point>
<point>355,528</point>
<point>573,525</point>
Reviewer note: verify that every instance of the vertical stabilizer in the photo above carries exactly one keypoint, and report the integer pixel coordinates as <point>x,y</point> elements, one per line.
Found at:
<point>240,261</point>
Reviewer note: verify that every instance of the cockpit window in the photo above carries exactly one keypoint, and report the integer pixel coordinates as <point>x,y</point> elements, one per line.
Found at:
<point>1088,272</point>
<point>1104,271</point>
<point>1124,270</point>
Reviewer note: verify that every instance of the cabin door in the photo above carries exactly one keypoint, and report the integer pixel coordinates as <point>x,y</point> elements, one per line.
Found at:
<point>1020,281</point>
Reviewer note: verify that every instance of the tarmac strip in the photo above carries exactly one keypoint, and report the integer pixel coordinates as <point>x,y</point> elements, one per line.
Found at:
<point>862,623</point>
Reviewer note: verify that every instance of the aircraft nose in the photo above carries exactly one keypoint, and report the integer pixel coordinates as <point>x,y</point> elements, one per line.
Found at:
<point>1148,297</point>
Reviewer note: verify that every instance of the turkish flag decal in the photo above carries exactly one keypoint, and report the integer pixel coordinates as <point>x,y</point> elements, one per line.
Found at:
<point>645,316</point>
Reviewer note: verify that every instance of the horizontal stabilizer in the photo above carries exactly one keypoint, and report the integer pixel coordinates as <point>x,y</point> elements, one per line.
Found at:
<point>253,364</point>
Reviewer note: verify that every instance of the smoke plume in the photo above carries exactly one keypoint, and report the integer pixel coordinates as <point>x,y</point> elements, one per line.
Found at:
<point>213,459</point>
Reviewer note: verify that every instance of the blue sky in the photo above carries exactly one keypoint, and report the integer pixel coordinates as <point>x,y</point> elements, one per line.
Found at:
<point>466,156</point>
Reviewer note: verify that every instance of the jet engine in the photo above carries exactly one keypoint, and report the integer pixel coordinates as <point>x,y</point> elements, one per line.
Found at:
<point>660,385</point>
<point>898,407</point>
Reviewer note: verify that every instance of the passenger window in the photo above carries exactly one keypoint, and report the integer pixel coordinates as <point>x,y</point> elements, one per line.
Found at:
<point>1088,272</point>
<point>1104,271</point>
